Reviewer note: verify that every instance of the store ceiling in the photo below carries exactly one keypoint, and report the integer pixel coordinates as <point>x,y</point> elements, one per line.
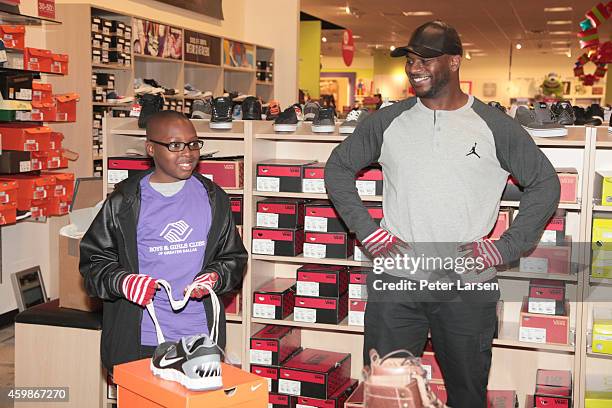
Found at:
<point>487,27</point>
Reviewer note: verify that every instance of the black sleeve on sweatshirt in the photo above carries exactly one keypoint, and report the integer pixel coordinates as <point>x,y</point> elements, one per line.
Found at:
<point>522,158</point>
<point>357,151</point>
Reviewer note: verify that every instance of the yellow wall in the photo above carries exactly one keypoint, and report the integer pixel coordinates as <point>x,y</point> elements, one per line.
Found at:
<point>362,66</point>
<point>309,62</point>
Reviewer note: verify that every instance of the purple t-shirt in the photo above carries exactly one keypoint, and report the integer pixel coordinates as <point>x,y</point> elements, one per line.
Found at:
<point>172,234</point>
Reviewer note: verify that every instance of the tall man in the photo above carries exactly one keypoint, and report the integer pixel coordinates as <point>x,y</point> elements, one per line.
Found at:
<point>445,157</point>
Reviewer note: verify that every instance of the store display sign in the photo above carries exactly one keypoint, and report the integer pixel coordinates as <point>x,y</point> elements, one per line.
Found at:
<point>212,8</point>
<point>46,8</point>
<point>202,48</point>
<point>348,47</point>
<point>157,40</point>
<point>237,54</point>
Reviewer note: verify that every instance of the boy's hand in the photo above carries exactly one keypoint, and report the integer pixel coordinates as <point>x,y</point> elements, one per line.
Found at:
<point>139,289</point>
<point>210,278</point>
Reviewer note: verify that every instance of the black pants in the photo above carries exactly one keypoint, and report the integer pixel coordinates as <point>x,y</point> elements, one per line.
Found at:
<point>462,334</point>
<point>147,351</point>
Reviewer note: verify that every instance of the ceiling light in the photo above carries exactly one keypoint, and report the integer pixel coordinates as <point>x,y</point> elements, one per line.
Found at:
<point>324,39</point>
<point>569,53</point>
<point>480,54</point>
<point>474,50</point>
<point>519,46</point>
<point>467,44</point>
<point>347,9</point>
<point>560,33</point>
<point>356,36</point>
<point>392,48</point>
<point>417,13</point>
<point>560,43</point>
<point>559,22</point>
<point>558,9</point>
<point>468,55</point>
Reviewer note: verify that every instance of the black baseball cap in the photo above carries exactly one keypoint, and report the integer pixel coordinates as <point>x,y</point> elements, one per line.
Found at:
<point>431,40</point>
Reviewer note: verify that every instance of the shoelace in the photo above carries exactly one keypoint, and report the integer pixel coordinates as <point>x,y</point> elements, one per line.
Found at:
<point>353,115</point>
<point>179,304</point>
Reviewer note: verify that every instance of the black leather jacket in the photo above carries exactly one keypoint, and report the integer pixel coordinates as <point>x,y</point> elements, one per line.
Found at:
<point>109,252</point>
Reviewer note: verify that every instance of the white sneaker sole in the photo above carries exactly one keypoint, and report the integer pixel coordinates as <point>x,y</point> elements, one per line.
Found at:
<point>346,130</point>
<point>204,384</point>
<point>285,127</point>
<point>323,128</point>
<point>220,125</point>
<point>557,132</point>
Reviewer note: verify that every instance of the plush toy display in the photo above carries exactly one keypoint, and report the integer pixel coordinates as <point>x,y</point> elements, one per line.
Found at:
<point>552,86</point>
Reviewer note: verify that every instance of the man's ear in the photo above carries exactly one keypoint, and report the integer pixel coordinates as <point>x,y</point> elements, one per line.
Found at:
<point>149,149</point>
<point>455,62</point>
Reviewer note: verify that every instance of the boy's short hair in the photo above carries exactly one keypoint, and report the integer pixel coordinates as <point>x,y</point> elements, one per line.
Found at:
<point>162,116</point>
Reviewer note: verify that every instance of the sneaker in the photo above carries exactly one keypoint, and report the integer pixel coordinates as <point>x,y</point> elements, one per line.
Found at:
<point>152,82</point>
<point>201,109</point>
<point>112,97</point>
<point>273,110</point>
<point>193,362</point>
<point>594,115</point>
<point>579,115</point>
<point>298,111</point>
<point>324,120</point>
<point>352,120</point>
<point>191,91</point>
<point>221,117</point>
<point>532,121</point>
<point>563,113</point>
<point>497,105</point>
<point>237,112</point>
<point>287,121</point>
<point>310,110</point>
<point>251,109</point>
<point>149,104</point>
<point>141,88</point>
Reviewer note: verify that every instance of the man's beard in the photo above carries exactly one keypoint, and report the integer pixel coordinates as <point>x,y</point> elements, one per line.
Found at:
<point>436,87</point>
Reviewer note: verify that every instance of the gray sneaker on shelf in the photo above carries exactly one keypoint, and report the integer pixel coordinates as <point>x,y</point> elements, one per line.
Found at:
<point>324,121</point>
<point>352,120</point>
<point>563,112</point>
<point>539,122</point>
<point>310,110</point>
<point>200,109</point>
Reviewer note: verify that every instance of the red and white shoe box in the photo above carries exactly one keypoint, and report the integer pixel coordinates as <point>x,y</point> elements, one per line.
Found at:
<point>337,400</point>
<point>543,328</point>
<point>310,309</point>
<point>273,344</point>
<point>439,389</point>
<point>281,175</point>
<point>554,232</point>
<point>548,259</point>
<point>280,213</point>
<point>120,168</point>
<point>369,181</point>
<point>279,400</point>
<point>314,373</point>
<point>270,373</point>
<point>502,399</point>
<point>546,297</point>
<point>232,303</point>
<point>275,299</point>
<point>568,177</point>
<point>430,363</point>
<point>322,280</point>
<point>553,389</point>
<point>279,242</point>
<point>501,225</point>
<point>328,245</point>
<point>357,282</point>
<point>356,312</point>
<point>313,178</point>
<point>226,172</point>
<point>236,203</point>
<point>321,216</point>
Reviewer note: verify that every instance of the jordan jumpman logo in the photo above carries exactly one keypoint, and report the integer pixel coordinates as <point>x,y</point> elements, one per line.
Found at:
<point>473,151</point>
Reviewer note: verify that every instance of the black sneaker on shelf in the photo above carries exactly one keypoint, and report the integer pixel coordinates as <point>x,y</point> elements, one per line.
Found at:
<point>353,118</point>
<point>594,115</point>
<point>201,109</point>
<point>251,108</point>
<point>579,115</point>
<point>149,104</point>
<point>538,122</point>
<point>287,121</point>
<point>221,117</point>
<point>324,121</point>
<point>497,105</point>
<point>563,113</point>
<point>310,110</point>
<point>152,82</point>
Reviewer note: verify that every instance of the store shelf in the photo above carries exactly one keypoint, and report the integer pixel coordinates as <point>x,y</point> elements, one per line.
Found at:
<point>566,206</point>
<point>157,59</point>
<point>234,190</point>
<point>202,130</point>
<point>516,274</point>
<point>598,355</point>
<point>126,105</point>
<point>21,71</point>
<point>604,138</point>
<point>238,69</point>
<point>600,281</point>
<point>9,15</point>
<point>313,196</point>
<point>341,327</point>
<point>297,137</point>
<point>302,260</point>
<point>201,65</point>
<point>574,138</point>
<point>509,334</point>
<point>264,83</point>
<point>115,67</point>
<point>236,318</point>
<point>602,208</point>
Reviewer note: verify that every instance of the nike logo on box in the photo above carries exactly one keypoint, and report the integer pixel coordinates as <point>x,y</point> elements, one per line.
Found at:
<point>255,387</point>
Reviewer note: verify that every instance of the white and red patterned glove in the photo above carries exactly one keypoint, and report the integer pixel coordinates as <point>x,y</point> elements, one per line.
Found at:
<point>381,243</point>
<point>210,278</point>
<point>139,289</point>
<point>485,251</point>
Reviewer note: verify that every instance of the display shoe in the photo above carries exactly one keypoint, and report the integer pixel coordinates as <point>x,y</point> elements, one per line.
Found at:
<point>352,120</point>
<point>193,361</point>
<point>539,122</point>
<point>201,109</point>
<point>324,120</point>
<point>594,115</point>
<point>298,111</point>
<point>149,105</point>
<point>579,115</point>
<point>287,121</point>
<point>393,381</point>
<point>251,109</point>
<point>563,113</point>
<point>221,117</point>
<point>310,110</point>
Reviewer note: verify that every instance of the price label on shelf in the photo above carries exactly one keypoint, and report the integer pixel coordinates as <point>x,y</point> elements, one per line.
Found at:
<point>263,246</point>
<point>264,311</point>
<point>366,187</point>
<point>303,314</point>
<point>260,357</point>
<point>313,186</point>
<point>267,220</point>
<point>318,224</point>
<point>289,387</point>
<point>314,250</point>
<point>307,288</point>
<point>268,184</point>
<point>532,335</point>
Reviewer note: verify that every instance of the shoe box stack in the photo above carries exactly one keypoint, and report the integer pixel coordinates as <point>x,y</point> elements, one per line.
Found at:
<point>265,70</point>
<point>553,389</point>
<point>101,84</point>
<point>111,42</point>
<point>544,316</point>
<point>173,104</point>
<point>299,377</point>
<point>321,294</point>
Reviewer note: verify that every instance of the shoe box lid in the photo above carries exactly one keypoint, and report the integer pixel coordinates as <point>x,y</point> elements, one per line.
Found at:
<point>286,162</point>
<point>372,172</point>
<point>319,361</point>
<point>554,382</point>
<point>272,331</point>
<point>240,388</point>
<point>277,285</point>
<point>321,268</point>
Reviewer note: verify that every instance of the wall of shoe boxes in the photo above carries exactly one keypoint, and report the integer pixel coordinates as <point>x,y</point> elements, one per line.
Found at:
<point>30,149</point>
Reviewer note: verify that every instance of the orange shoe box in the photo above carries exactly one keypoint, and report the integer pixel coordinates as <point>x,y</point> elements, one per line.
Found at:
<point>8,213</point>
<point>36,59</point>
<point>56,140</point>
<point>31,189</point>
<point>50,159</point>
<point>25,138</point>
<point>13,36</point>
<point>56,206</point>
<point>60,64</point>
<point>43,111</point>
<point>64,187</point>
<point>8,191</point>
<point>543,328</point>
<point>66,107</point>
<point>137,387</point>
<point>42,93</point>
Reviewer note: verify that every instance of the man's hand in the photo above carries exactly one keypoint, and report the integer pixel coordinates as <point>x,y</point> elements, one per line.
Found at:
<point>483,250</point>
<point>139,289</point>
<point>209,278</point>
<point>381,244</point>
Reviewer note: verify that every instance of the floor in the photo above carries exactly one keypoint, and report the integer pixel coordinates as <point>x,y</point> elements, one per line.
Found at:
<point>7,359</point>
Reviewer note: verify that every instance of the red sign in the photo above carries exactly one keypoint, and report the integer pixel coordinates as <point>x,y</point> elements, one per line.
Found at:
<point>348,47</point>
<point>46,8</point>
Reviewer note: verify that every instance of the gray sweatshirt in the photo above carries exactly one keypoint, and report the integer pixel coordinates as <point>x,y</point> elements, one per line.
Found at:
<point>444,174</point>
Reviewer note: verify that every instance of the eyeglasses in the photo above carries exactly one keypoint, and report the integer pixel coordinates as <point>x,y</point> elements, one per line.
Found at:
<point>180,146</point>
